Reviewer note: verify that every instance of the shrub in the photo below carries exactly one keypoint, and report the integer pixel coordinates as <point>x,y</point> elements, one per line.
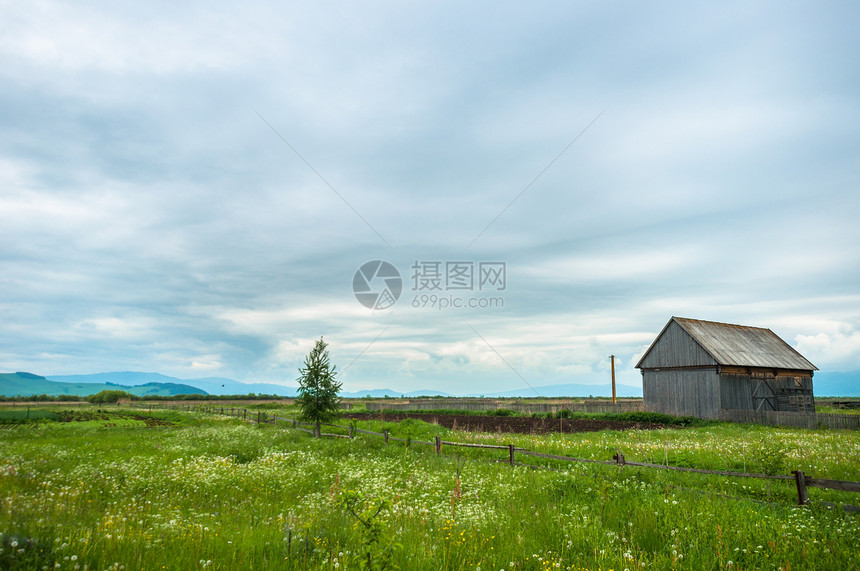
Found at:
<point>104,397</point>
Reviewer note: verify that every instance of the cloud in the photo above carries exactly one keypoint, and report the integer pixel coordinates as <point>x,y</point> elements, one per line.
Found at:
<point>149,219</point>
<point>838,348</point>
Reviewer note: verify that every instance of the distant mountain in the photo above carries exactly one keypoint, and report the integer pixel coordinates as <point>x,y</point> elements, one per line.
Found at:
<point>127,378</point>
<point>375,393</point>
<point>28,384</point>
<point>826,384</point>
<point>211,385</point>
<point>569,390</point>
<point>428,393</point>
<point>224,386</point>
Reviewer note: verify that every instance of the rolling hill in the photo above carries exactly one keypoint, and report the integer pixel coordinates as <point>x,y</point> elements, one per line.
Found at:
<point>212,385</point>
<point>28,384</point>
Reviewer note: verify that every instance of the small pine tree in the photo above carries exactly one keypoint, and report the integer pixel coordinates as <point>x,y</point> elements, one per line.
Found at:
<point>317,386</point>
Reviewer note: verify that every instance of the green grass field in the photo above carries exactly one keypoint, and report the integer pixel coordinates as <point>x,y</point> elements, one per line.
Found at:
<point>215,493</point>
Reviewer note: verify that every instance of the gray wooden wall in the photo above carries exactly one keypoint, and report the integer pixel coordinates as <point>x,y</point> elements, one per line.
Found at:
<point>682,392</point>
<point>675,348</point>
<point>794,390</point>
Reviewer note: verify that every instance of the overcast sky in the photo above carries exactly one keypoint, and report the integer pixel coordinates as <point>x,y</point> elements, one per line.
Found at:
<point>190,189</point>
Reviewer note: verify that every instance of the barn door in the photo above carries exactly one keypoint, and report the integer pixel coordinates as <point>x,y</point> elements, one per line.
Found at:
<point>764,395</point>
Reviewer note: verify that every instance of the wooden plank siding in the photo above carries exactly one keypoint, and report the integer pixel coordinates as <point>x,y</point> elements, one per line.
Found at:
<point>682,392</point>
<point>793,419</point>
<point>792,390</point>
<point>675,348</point>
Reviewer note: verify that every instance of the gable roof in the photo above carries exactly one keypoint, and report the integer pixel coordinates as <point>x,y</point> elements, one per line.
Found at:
<point>738,345</point>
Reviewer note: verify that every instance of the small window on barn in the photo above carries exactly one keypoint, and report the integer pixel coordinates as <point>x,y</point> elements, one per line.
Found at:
<point>798,382</point>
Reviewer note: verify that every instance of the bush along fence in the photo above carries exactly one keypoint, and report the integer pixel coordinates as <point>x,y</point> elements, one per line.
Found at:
<point>801,480</point>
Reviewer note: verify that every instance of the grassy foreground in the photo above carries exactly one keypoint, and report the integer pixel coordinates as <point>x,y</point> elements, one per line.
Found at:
<point>219,494</point>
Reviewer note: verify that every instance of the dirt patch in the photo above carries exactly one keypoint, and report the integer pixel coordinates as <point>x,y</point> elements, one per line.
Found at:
<point>85,415</point>
<point>517,424</point>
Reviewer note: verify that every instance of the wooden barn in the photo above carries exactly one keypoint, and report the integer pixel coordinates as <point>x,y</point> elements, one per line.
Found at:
<point>697,368</point>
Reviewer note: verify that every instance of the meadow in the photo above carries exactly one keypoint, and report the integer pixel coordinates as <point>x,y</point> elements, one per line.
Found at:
<point>209,492</point>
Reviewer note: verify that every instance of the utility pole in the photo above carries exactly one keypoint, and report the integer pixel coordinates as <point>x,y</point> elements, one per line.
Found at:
<point>612,361</point>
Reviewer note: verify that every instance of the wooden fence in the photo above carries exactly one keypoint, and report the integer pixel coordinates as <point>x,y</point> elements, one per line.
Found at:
<point>801,480</point>
<point>552,406</point>
<point>793,419</point>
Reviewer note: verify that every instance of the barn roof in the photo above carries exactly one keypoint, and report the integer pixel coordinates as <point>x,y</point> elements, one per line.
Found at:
<point>739,345</point>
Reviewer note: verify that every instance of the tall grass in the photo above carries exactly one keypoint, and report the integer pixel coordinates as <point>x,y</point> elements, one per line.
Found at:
<point>220,494</point>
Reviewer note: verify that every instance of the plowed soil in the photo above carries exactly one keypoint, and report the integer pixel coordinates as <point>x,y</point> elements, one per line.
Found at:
<point>518,424</point>
<point>85,415</point>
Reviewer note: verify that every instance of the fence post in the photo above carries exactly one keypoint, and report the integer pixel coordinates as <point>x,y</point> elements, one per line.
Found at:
<point>619,459</point>
<point>244,414</point>
<point>318,430</point>
<point>800,479</point>
<point>385,432</point>
<point>350,431</point>
<point>511,452</point>
<point>294,423</point>
<point>259,417</point>
<point>438,444</point>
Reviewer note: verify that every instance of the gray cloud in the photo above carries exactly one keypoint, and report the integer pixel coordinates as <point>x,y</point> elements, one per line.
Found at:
<point>150,220</point>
